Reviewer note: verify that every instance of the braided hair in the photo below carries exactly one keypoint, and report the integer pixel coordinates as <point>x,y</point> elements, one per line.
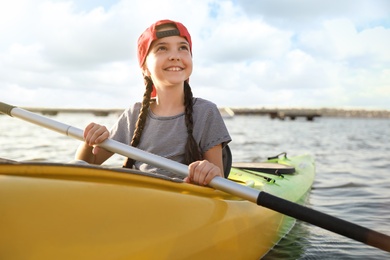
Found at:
<point>192,151</point>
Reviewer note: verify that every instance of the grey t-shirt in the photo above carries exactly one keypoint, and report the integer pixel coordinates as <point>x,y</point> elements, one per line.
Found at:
<point>167,136</point>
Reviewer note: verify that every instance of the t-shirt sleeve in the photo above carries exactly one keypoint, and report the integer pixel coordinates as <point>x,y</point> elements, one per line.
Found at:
<point>211,126</point>
<point>122,131</point>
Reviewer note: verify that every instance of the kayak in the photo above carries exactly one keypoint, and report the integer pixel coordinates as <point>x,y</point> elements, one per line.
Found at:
<point>82,211</point>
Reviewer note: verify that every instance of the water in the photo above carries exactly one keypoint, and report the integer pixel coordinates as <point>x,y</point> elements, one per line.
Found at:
<point>352,181</point>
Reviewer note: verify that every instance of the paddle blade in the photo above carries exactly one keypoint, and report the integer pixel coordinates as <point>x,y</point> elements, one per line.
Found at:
<point>339,226</point>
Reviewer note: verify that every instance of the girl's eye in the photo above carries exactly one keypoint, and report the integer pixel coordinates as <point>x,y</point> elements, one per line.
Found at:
<point>161,48</point>
<point>184,47</point>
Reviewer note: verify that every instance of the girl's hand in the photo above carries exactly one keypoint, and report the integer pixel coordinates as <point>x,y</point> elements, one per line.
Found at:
<point>95,134</point>
<point>202,172</point>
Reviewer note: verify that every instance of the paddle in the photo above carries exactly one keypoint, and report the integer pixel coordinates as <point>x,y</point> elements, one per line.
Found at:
<point>339,226</point>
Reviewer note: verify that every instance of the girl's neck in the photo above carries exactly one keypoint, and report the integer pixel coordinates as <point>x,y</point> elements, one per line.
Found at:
<point>168,103</point>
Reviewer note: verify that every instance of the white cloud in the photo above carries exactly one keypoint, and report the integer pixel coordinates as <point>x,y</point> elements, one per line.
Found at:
<point>246,53</point>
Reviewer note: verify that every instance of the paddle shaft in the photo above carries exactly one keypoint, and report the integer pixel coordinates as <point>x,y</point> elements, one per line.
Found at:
<point>339,226</point>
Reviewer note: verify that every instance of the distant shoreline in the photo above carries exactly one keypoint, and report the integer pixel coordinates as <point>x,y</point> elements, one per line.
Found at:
<point>285,112</point>
<point>323,112</point>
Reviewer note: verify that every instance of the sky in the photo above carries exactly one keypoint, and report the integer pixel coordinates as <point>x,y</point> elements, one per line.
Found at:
<point>272,53</point>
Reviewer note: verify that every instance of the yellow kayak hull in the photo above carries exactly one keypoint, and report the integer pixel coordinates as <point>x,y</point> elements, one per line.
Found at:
<point>62,211</point>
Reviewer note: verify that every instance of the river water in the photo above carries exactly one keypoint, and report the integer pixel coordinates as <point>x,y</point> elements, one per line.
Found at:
<point>352,159</point>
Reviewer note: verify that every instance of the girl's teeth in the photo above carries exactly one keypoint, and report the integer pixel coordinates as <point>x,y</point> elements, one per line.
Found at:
<point>174,69</point>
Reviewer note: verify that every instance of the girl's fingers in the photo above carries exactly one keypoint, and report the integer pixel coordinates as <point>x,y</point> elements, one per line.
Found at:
<point>95,134</point>
<point>211,174</point>
<point>202,172</point>
<point>101,135</point>
<point>199,171</point>
<point>87,130</point>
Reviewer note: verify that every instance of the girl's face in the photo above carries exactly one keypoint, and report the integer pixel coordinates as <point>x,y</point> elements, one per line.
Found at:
<point>169,61</point>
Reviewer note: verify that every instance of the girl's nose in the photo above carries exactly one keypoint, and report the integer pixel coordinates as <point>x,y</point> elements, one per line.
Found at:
<point>174,56</point>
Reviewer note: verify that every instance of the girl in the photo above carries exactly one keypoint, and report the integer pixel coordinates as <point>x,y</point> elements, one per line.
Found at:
<point>169,122</point>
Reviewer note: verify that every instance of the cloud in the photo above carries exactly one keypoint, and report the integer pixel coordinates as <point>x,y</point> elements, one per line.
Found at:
<point>246,53</point>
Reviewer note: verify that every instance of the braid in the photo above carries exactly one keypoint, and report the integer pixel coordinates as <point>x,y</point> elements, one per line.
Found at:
<point>139,126</point>
<point>192,152</point>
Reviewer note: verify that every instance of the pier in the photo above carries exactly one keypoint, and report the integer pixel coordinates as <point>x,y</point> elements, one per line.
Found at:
<point>281,114</point>
<point>293,115</point>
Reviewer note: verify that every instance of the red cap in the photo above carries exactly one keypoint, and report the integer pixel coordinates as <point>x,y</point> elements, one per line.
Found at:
<point>151,34</point>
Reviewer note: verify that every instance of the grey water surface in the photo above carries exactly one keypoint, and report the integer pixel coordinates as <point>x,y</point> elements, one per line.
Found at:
<point>352,159</point>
